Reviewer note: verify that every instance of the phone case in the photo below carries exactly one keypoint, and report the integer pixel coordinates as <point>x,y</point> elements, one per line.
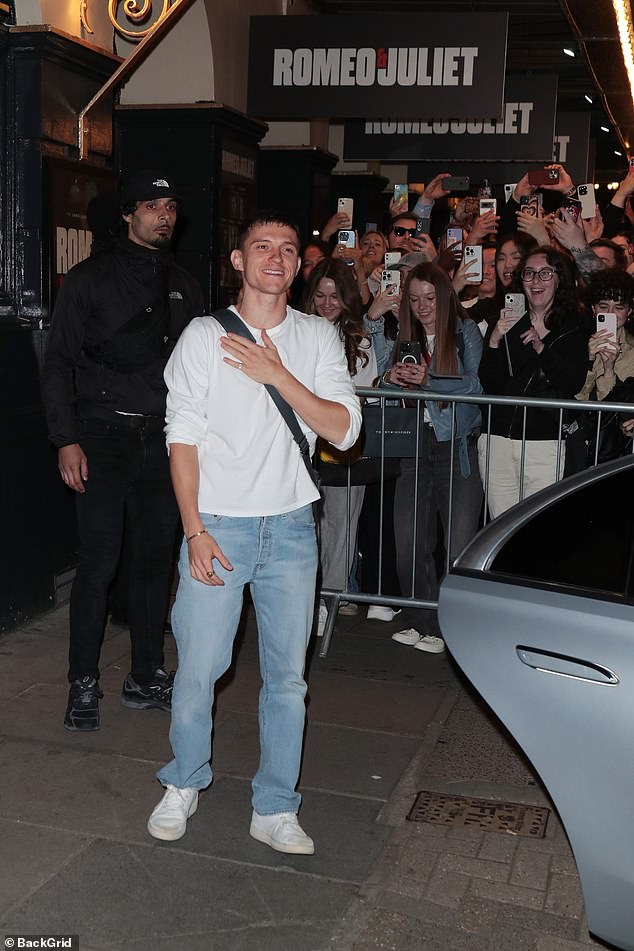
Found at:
<point>473,252</point>
<point>488,204</point>
<point>543,176</point>
<point>585,194</point>
<point>515,305</point>
<point>454,236</point>
<point>607,322</point>
<point>346,205</point>
<point>347,238</point>
<point>391,279</point>
<point>392,258</point>
<point>401,194</point>
<point>457,183</point>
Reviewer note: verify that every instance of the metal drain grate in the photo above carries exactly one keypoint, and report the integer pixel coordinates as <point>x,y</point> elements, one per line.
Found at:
<point>462,811</point>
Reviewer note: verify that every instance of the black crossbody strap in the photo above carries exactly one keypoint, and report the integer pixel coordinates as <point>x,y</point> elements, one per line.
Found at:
<point>233,324</point>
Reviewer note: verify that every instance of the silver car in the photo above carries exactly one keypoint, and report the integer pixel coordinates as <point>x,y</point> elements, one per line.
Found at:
<point>548,588</point>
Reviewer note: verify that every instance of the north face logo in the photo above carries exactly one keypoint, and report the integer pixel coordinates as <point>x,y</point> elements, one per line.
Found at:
<point>161,183</point>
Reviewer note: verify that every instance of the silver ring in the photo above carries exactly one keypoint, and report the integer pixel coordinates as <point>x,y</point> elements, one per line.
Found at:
<point>240,365</point>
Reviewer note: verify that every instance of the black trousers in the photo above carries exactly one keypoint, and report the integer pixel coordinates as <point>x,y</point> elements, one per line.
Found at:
<point>128,471</point>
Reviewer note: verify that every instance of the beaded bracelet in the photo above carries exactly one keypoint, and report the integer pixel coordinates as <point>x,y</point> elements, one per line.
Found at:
<point>203,531</point>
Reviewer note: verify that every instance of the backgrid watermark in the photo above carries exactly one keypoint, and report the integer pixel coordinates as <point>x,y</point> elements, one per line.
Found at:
<point>44,941</point>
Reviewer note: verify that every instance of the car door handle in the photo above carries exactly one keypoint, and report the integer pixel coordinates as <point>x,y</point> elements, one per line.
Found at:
<point>565,666</point>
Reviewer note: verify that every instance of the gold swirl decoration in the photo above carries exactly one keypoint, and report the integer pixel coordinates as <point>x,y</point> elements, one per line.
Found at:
<point>83,16</point>
<point>137,12</point>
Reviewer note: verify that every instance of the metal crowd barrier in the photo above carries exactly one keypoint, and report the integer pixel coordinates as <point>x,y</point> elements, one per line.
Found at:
<point>567,409</point>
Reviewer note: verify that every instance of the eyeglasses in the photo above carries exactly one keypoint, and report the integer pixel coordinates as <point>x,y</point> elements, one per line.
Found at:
<point>399,232</point>
<point>545,274</point>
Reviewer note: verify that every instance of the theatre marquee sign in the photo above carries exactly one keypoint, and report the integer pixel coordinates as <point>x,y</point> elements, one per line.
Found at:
<point>357,66</point>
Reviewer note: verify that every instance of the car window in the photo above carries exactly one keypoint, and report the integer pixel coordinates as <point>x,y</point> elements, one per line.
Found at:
<point>585,540</point>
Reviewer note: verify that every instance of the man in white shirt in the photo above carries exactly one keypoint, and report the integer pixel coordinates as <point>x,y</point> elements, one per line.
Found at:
<point>245,498</point>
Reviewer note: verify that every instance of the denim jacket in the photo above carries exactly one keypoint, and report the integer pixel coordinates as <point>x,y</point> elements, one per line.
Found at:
<point>468,415</point>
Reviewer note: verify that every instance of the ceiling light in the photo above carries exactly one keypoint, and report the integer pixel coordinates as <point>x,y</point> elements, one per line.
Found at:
<point>623,14</point>
<point>588,98</point>
<point>596,185</point>
<point>568,51</point>
<point>604,128</point>
<point>617,153</point>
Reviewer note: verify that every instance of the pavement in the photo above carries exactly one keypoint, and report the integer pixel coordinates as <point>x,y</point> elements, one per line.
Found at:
<point>384,722</point>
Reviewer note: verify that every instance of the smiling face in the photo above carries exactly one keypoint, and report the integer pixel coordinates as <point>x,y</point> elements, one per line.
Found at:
<point>269,259</point>
<point>402,240</point>
<point>540,293</point>
<point>373,246</point>
<point>325,300</point>
<point>508,257</point>
<point>152,222</point>
<point>422,302</point>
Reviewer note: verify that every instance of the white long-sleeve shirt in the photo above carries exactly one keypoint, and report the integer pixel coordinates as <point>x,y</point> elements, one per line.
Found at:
<point>249,462</point>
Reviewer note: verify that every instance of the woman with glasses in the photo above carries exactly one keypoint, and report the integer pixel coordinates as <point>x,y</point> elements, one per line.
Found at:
<point>542,353</point>
<point>444,478</point>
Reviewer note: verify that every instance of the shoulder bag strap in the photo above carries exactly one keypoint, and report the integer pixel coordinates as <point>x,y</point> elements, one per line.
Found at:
<point>233,324</point>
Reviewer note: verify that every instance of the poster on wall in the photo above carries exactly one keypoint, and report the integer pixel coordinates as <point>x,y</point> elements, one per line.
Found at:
<point>523,133</point>
<point>357,66</point>
<point>69,187</point>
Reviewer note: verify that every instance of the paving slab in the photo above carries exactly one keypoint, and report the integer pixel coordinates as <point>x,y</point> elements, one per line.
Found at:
<point>127,896</point>
<point>34,855</point>
<point>337,758</point>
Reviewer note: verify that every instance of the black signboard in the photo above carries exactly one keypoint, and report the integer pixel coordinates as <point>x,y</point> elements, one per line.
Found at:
<point>570,147</point>
<point>351,66</point>
<point>523,133</point>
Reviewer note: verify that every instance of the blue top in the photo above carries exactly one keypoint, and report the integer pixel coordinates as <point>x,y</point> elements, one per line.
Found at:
<point>468,418</point>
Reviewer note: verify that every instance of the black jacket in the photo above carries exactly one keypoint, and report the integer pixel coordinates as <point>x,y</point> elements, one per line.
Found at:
<point>117,317</point>
<point>514,369</point>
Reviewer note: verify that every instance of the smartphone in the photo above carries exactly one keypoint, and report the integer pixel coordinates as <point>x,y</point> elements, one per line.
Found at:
<point>423,226</point>
<point>509,189</point>
<point>391,258</point>
<point>347,206</point>
<point>573,205</point>
<point>585,194</point>
<point>473,258</point>
<point>632,162</point>
<point>515,305</point>
<point>392,280</point>
<point>454,237</point>
<point>347,238</point>
<point>409,351</point>
<point>608,322</point>
<point>401,196</point>
<point>531,204</point>
<point>488,204</point>
<point>456,183</point>
<point>543,176</point>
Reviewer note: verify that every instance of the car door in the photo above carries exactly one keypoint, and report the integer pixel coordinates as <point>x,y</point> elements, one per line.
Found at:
<point>548,592</point>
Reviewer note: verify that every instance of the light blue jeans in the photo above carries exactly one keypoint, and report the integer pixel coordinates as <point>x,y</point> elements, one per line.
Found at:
<point>277,556</point>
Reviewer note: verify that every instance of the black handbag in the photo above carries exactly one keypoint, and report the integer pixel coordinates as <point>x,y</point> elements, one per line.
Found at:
<point>393,431</point>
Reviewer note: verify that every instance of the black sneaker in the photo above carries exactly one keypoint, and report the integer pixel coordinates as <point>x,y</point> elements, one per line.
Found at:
<point>82,712</point>
<point>157,694</point>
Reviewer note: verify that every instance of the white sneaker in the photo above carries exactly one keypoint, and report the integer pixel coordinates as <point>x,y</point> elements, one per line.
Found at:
<point>430,643</point>
<point>282,832</point>
<point>321,619</point>
<point>381,612</point>
<point>422,642</point>
<point>169,819</point>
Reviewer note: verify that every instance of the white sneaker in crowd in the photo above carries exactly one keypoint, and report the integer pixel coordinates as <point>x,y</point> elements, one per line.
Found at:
<point>422,642</point>
<point>282,832</point>
<point>382,612</point>
<point>169,819</point>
